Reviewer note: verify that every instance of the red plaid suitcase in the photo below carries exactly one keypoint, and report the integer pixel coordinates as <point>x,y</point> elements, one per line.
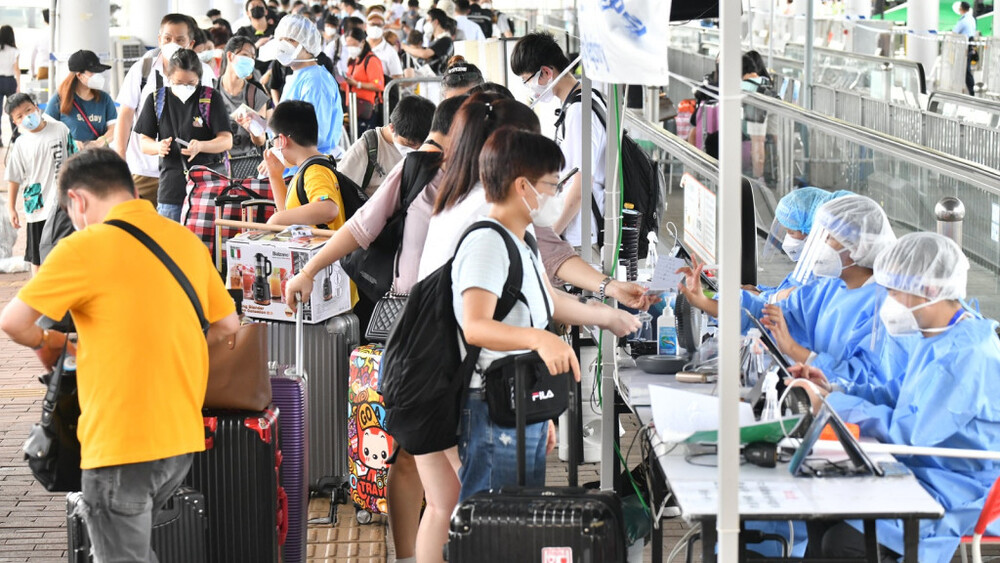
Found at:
<point>212,196</point>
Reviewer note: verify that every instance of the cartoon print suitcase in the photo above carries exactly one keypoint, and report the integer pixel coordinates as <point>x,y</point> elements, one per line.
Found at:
<point>368,444</point>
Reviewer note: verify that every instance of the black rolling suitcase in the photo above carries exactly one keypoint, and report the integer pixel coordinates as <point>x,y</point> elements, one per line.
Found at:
<point>179,531</point>
<point>238,474</point>
<point>562,524</point>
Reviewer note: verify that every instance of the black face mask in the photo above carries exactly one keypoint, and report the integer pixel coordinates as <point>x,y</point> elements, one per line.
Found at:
<point>257,12</point>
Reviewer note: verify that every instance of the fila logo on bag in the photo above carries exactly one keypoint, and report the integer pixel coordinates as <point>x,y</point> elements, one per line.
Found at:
<point>543,395</point>
<point>557,555</point>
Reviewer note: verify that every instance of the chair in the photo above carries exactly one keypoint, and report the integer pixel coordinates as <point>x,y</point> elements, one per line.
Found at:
<point>991,511</point>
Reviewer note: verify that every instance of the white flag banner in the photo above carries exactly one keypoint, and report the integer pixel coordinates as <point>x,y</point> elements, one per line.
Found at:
<point>625,41</point>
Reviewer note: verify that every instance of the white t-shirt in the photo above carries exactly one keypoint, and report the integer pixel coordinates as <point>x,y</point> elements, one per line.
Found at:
<point>389,57</point>
<point>34,163</point>
<point>130,97</point>
<point>447,227</point>
<point>40,54</point>
<point>396,12</point>
<point>469,29</point>
<point>569,137</point>
<point>483,262</point>
<point>8,56</point>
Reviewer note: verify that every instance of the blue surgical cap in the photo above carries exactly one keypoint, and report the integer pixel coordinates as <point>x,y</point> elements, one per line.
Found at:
<point>795,211</point>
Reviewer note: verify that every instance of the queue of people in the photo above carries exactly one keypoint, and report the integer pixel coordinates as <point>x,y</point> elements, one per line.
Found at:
<point>877,322</point>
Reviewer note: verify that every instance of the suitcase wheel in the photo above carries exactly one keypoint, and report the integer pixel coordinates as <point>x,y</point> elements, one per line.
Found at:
<point>363,516</point>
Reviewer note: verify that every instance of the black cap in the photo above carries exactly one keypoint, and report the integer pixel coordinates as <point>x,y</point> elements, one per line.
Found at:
<point>86,61</point>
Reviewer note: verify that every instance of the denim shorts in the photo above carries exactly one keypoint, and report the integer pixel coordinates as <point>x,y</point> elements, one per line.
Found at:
<point>120,504</point>
<point>489,452</point>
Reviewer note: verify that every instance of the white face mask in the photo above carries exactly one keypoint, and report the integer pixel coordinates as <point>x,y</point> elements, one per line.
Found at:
<point>375,32</point>
<point>403,149</point>
<point>828,264</point>
<point>210,55</point>
<point>550,208</point>
<point>792,247</point>
<point>428,30</point>
<point>95,82</point>
<point>537,89</point>
<point>183,91</point>
<point>899,319</point>
<point>353,51</point>
<point>330,32</point>
<point>286,53</point>
<point>169,50</point>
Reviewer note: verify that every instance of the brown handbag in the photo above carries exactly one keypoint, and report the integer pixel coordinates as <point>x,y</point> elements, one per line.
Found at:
<point>237,371</point>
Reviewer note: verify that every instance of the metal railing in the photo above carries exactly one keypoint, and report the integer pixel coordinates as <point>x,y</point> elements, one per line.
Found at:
<point>398,83</point>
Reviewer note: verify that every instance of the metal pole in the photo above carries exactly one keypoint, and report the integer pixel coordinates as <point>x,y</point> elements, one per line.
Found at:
<point>729,246</point>
<point>612,219</point>
<point>807,75</point>
<point>398,82</point>
<point>587,171</point>
<point>770,36</point>
<point>950,214</point>
<point>352,114</point>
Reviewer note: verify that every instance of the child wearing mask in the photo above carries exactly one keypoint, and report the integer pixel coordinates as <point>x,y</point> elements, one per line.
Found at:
<point>33,169</point>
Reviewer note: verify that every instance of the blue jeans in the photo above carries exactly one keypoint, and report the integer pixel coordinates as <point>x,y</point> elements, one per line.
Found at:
<point>171,211</point>
<point>489,452</point>
<point>120,504</point>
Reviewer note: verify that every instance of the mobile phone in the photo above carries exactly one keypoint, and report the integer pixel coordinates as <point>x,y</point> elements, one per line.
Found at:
<point>182,142</point>
<point>567,178</point>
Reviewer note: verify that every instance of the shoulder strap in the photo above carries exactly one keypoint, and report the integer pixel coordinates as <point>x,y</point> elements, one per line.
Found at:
<point>371,145</point>
<point>159,101</point>
<point>169,263</point>
<point>205,104</point>
<point>147,65</point>
<point>512,287</point>
<point>85,118</point>
<point>576,97</point>
<point>300,183</point>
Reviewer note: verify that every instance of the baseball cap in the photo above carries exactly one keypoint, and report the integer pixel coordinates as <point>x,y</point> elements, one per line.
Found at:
<point>86,61</point>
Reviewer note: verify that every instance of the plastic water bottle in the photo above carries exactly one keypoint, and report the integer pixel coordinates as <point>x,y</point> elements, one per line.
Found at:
<point>771,411</point>
<point>666,333</point>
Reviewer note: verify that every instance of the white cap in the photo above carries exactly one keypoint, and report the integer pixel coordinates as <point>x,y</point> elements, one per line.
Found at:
<point>925,264</point>
<point>859,224</point>
<point>301,29</point>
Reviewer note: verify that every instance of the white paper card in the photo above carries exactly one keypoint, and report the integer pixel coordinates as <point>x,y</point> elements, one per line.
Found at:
<point>665,276</point>
<point>679,414</point>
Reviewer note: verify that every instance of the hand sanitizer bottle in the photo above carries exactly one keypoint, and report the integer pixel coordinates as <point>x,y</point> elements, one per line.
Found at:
<point>666,333</point>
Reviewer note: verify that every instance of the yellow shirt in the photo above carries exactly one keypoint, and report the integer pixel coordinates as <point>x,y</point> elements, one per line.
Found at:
<point>142,364</point>
<point>321,184</point>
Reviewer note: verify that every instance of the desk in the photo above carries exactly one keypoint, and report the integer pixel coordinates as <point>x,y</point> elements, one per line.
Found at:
<point>774,494</point>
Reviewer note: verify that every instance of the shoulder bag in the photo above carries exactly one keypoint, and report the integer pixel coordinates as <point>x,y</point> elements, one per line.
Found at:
<point>52,449</point>
<point>237,376</point>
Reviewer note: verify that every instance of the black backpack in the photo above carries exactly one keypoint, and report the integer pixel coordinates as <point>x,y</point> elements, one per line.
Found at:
<point>424,376</point>
<point>641,186</point>
<point>373,270</point>
<point>353,196</point>
<point>370,137</point>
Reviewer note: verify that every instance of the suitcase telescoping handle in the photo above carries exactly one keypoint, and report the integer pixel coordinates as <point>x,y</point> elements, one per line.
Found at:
<point>299,339</point>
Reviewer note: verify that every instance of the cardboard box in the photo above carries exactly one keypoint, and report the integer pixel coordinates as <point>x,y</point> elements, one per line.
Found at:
<point>262,262</point>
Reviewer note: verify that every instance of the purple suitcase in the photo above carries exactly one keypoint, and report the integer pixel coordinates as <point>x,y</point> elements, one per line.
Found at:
<point>288,392</point>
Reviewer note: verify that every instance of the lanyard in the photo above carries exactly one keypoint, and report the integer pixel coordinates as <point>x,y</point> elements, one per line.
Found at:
<point>957,317</point>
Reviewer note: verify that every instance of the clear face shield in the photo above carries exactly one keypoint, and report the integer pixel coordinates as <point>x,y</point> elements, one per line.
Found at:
<point>782,244</point>
<point>823,256</point>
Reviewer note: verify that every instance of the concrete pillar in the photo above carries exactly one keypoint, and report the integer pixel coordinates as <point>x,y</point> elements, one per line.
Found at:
<point>231,10</point>
<point>144,19</point>
<point>923,16</point>
<point>856,8</point>
<point>70,21</point>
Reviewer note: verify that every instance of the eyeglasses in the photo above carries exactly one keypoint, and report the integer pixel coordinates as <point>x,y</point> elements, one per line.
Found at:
<point>531,77</point>
<point>558,186</point>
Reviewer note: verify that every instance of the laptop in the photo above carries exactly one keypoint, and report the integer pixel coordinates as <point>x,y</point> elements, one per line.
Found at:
<point>859,462</point>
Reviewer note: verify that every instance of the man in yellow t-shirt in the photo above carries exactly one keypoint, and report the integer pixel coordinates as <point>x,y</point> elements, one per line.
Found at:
<point>296,135</point>
<point>142,363</point>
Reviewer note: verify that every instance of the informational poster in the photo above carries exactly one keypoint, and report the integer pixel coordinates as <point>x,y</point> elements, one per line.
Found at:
<point>625,41</point>
<point>699,218</point>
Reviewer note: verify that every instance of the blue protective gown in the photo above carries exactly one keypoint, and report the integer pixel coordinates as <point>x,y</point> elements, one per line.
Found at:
<point>834,322</point>
<point>948,397</point>
<point>315,84</point>
<point>766,292</point>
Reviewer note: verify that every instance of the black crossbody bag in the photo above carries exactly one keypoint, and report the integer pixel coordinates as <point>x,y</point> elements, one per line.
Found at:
<point>548,395</point>
<point>52,449</point>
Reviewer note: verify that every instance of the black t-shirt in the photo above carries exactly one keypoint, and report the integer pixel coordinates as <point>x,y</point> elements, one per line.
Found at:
<point>443,48</point>
<point>182,120</point>
<point>249,31</point>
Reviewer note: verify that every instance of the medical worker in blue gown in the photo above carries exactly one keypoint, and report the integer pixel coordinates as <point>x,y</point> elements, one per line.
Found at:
<point>947,397</point>
<point>793,220</point>
<point>296,43</point>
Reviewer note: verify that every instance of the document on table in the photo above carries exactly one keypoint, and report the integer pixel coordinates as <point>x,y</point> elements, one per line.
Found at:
<point>754,495</point>
<point>679,414</point>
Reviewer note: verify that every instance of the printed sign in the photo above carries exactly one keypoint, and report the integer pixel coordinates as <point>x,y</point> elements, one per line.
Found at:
<point>699,218</point>
<point>557,555</point>
<point>625,41</point>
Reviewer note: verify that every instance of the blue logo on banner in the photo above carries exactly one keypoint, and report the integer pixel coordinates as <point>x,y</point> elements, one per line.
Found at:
<point>634,24</point>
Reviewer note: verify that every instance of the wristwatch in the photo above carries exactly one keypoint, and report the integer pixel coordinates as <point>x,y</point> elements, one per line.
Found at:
<point>604,286</point>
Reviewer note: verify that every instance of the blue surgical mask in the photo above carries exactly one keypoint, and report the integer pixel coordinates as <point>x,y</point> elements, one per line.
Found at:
<point>31,121</point>
<point>243,66</point>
